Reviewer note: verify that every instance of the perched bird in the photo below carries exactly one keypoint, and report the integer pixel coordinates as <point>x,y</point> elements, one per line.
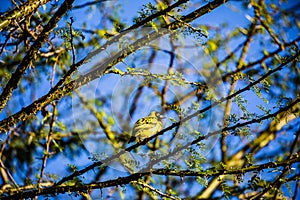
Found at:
<point>146,126</point>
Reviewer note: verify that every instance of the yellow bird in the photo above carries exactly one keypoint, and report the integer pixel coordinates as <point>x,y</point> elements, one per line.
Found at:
<point>147,126</point>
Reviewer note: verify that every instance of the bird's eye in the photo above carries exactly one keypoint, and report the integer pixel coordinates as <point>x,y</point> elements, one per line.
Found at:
<point>159,115</point>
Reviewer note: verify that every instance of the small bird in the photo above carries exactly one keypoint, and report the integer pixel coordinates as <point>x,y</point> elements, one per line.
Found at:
<point>147,126</point>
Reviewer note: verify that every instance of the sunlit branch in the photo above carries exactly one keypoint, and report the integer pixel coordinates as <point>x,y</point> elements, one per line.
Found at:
<point>20,11</point>
<point>167,77</point>
<point>105,127</point>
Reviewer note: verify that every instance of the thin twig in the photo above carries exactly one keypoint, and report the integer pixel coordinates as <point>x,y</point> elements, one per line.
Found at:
<point>155,190</point>
<point>47,145</point>
<point>72,40</point>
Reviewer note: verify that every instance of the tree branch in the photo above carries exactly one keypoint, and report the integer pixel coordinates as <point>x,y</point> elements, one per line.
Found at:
<point>17,75</point>
<point>126,180</point>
